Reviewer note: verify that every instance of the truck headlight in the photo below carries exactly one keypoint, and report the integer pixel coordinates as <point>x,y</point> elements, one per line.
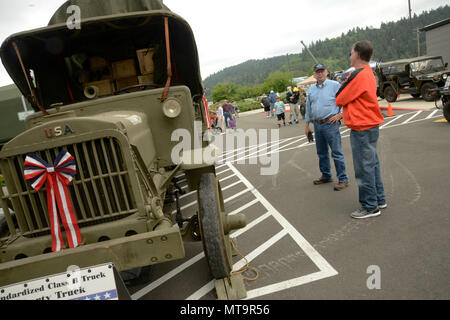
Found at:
<point>171,108</point>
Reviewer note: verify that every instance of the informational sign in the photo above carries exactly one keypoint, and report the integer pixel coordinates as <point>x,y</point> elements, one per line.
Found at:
<point>93,283</point>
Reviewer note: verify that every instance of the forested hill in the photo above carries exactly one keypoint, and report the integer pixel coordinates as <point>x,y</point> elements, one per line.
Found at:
<point>393,40</point>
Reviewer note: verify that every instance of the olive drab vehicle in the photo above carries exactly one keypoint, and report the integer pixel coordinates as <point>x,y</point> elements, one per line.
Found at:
<point>110,93</point>
<point>444,103</point>
<point>416,76</point>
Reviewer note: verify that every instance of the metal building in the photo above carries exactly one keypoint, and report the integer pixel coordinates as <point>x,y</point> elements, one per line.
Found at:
<point>438,39</point>
<point>13,111</point>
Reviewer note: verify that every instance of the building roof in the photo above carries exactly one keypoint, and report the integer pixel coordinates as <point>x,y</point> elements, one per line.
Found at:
<point>435,25</point>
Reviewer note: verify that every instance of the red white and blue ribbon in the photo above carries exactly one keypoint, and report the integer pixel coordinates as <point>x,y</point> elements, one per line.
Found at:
<point>57,176</point>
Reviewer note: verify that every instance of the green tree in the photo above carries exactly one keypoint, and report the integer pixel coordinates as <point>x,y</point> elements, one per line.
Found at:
<point>277,81</point>
<point>224,91</point>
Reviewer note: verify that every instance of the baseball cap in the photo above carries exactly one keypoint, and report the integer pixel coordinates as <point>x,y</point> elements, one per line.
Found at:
<point>319,66</point>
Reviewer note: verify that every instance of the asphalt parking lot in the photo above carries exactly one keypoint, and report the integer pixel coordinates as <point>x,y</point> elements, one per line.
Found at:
<point>301,238</point>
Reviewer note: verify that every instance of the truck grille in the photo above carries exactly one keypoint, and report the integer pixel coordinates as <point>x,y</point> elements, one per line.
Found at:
<point>100,191</point>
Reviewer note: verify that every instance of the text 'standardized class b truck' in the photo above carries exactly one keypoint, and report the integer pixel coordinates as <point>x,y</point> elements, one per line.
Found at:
<point>93,179</point>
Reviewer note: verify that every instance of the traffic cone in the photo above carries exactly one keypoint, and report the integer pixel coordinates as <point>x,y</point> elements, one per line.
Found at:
<point>390,112</point>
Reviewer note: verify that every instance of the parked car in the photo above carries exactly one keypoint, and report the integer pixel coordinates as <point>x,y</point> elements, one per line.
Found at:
<point>415,76</point>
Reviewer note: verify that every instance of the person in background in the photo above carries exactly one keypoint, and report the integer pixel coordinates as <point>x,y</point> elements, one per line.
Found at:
<point>235,109</point>
<point>220,117</point>
<point>272,99</point>
<point>293,104</point>
<point>279,109</point>
<point>361,113</point>
<point>227,109</point>
<point>325,115</point>
<point>266,105</point>
<point>302,101</point>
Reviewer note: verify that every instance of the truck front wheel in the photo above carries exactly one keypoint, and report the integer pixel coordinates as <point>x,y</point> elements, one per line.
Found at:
<point>446,110</point>
<point>216,245</point>
<point>389,94</point>
<point>426,94</point>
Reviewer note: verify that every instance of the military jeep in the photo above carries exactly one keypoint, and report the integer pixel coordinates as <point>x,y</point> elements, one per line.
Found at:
<point>110,93</point>
<point>444,102</point>
<point>415,76</point>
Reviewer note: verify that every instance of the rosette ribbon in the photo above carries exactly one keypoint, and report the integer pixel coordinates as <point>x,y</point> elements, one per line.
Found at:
<point>57,177</point>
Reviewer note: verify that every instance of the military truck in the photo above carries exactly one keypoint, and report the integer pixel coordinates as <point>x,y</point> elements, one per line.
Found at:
<point>415,76</point>
<point>110,93</point>
<point>444,103</point>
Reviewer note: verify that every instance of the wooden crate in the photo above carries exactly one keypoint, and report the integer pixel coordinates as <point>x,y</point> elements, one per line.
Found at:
<point>126,82</point>
<point>105,87</point>
<point>124,69</point>
<point>98,64</point>
<point>148,78</point>
<point>145,58</point>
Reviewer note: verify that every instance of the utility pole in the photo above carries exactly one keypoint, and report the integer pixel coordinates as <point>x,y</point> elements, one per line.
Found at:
<point>412,28</point>
<point>314,58</point>
<point>289,64</point>
<point>409,10</point>
<point>418,42</point>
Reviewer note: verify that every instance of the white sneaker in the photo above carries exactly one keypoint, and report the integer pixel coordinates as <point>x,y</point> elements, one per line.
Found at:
<point>382,206</point>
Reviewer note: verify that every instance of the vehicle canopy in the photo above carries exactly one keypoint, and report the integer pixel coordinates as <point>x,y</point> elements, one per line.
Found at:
<point>407,61</point>
<point>53,57</point>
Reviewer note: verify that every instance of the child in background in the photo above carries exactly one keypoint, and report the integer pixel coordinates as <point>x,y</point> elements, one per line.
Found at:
<point>279,107</point>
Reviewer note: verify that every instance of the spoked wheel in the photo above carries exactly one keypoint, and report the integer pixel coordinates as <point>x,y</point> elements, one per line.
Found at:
<point>215,225</point>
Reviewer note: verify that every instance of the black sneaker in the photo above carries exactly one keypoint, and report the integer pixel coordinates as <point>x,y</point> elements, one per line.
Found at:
<point>364,213</point>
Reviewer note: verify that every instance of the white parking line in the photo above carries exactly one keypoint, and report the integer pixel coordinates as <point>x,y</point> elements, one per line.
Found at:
<point>432,114</point>
<point>394,119</point>
<point>326,270</point>
<point>419,112</point>
<point>251,256</point>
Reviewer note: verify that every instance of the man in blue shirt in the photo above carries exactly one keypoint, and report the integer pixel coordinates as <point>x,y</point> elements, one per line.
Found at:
<point>322,111</point>
<point>272,99</point>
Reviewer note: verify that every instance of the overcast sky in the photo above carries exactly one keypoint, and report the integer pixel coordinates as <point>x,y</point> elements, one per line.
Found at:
<point>229,32</point>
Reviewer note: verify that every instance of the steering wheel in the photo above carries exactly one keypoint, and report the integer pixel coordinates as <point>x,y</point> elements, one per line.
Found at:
<point>141,86</point>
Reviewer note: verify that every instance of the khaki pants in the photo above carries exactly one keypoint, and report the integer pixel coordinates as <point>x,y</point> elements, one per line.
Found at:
<point>294,108</point>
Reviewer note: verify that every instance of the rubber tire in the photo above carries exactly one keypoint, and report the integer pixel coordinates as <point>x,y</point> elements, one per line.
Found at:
<point>216,245</point>
<point>415,95</point>
<point>389,94</point>
<point>446,110</point>
<point>424,90</point>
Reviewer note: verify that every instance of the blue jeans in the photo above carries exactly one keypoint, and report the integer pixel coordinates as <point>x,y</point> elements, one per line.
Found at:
<point>272,109</point>
<point>328,135</point>
<point>228,116</point>
<point>367,168</point>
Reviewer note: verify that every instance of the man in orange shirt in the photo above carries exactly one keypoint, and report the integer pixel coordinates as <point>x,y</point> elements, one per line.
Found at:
<point>361,113</point>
